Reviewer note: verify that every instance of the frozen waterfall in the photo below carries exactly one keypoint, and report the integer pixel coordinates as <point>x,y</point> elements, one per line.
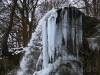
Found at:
<point>61,40</point>
<point>61,33</point>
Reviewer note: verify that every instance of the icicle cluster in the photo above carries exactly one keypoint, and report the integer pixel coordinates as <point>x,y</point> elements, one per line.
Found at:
<point>59,37</point>
<point>54,36</point>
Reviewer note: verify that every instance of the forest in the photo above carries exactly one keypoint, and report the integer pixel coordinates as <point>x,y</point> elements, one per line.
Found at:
<point>49,37</point>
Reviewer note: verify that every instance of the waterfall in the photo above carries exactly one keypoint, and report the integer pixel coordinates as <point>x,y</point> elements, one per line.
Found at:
<point>61,40</point>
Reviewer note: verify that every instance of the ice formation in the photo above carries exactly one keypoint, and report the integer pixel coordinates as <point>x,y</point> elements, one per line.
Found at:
<point>58,38</point>
<point>54,50</point>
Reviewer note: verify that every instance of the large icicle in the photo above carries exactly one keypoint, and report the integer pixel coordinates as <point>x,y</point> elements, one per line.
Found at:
<point>45,45</point>
<point>52,34</point>
<point>79,34</point>
<point>49,28</point>
<point>65,28</point>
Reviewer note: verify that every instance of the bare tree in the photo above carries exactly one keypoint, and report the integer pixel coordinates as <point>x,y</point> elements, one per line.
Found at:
<point>92,7</point>
<point>22,21</point>
<point>26,10</point>
<point>4,46</point>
